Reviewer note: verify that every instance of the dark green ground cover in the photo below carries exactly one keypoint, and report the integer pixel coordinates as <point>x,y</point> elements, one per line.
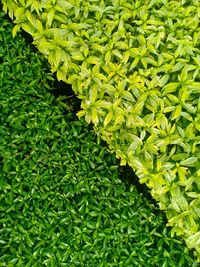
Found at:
<point>62,200</point>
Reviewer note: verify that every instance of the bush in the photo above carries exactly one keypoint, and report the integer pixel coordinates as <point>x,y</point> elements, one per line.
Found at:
<point>62,202</point>
<point>136,68</point>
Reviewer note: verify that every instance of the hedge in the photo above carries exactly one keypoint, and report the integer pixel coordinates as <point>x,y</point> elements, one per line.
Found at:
<point>135,66</point>
<point>62,200</point>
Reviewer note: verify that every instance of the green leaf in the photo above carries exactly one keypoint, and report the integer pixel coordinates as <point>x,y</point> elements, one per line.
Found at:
<point>177,112</point>
<point>164,80</point>
<point>77,56</point>
<point>189,161</point>
<point>170,88</point>
<point>50,17</point>
<point>177,67</point>
<point>93,93</point>
<point>108,118</point>
<point>94,117</point>
<point>15,30</point>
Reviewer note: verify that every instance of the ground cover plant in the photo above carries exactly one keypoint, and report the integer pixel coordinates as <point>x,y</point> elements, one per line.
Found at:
<point>62,202</point>
<point>135,66</point>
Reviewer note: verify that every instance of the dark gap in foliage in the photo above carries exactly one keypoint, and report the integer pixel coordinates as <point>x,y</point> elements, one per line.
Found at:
<point>129,177</point>
<point>29,39</point>
<point>64,89</point>
<point>24,34</point>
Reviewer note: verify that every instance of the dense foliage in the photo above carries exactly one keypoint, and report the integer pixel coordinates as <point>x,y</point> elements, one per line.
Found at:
<point>62,202</point>
<point>135,65</point>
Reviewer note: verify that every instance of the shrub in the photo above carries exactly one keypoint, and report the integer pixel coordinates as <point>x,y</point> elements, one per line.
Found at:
<point>62,202</point>
<point>136,68</point>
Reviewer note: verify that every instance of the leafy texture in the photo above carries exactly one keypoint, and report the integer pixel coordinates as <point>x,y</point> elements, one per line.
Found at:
<point>62,202</point>
<point>135,65</point>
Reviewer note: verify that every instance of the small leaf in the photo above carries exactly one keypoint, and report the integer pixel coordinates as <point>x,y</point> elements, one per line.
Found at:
<point>177,112</point>
<point>94,118</point>
<point>93,93</point>
<point>50,17</point>
<point>77,56</point>
<point>108,118</point>
<point>177,67</point>
<point>169,88</point>
<point>164,80</point>
<point>15,30</point>
<point>189,161</point>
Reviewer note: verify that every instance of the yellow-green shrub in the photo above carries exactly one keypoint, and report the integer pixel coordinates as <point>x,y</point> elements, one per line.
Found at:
<point>135,65</point>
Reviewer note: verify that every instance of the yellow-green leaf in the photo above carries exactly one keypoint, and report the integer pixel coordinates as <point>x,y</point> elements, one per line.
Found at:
<point>93,93</point>
<point>108,118</point>
<point>177,112</point>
